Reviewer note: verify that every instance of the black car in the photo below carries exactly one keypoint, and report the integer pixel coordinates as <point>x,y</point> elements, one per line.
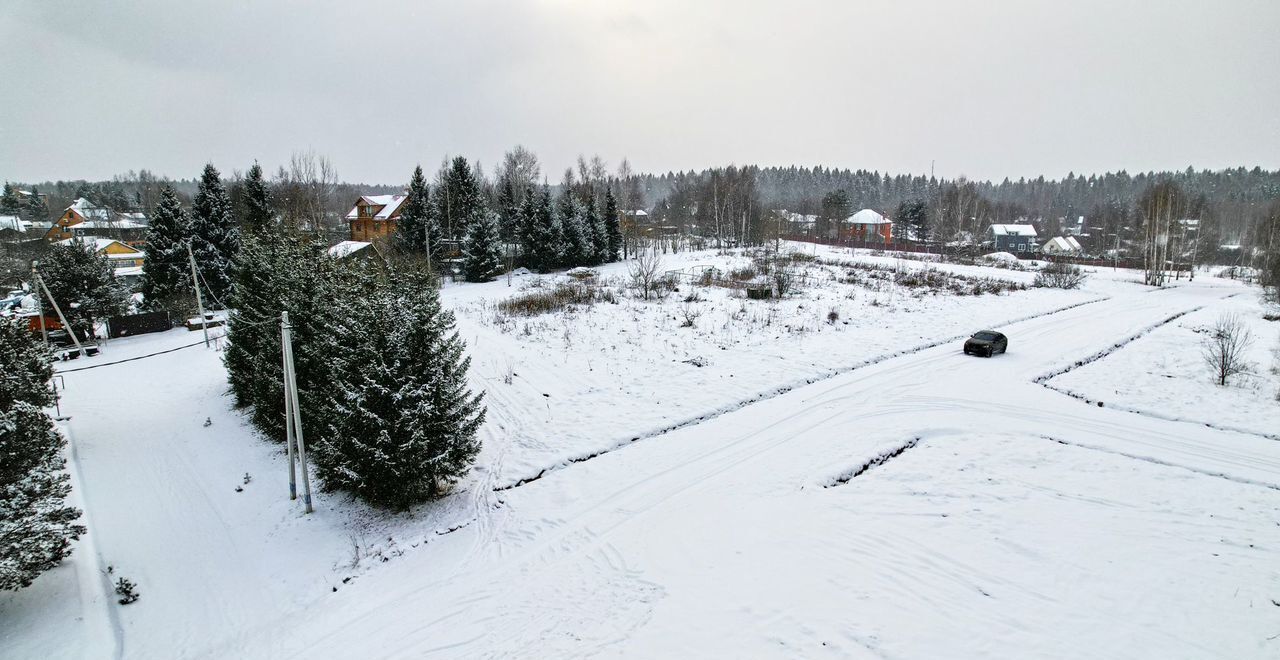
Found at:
<point>986,342</point>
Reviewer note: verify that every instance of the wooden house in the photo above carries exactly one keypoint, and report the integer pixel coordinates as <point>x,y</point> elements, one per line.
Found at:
<point>374,216</point>
<point>82,219</point>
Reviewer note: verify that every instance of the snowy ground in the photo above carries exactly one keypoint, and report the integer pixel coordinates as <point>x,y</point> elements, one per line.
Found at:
<point>998,517</point>
<point>1164,373</point>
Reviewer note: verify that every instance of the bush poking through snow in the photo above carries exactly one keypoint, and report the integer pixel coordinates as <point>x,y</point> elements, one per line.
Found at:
<point>1060,276</point>
<point>646,272</point>
<point>690,314</point>
<point>561,296</point>
<point>1225,348</point>
<point>126,590</point>
<point>833,316</point>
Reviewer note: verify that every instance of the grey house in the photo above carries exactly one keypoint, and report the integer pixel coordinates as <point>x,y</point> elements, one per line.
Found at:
<point>1013,238</point>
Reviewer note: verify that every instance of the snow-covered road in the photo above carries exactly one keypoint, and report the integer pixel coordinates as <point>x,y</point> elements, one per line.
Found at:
<point>1007,520</point>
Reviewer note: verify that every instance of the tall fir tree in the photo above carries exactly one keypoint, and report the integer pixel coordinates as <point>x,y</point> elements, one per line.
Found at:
<point>612,230</point>
<point>576,247</point>
<point>459,198</point>
<point>215,237</point>
<point>508,208</point>
<point>417,225</point>
<point>598,233</point>
<point>10,204</point>
<point>542,231</point>
<point>259,212</point>
<point>280,272</point>
<point>36,525</point>
<point>166,275</point>
<point>482,249</point>
<point>84,285</point>
<point>404,423</point>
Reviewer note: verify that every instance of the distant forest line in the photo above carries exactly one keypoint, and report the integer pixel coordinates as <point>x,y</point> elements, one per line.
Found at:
<point>1232,204</point>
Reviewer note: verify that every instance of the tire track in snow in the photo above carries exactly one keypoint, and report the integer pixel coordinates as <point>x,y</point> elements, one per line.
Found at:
<point>1044,379</point>
<point>774,393</point>
<point>1157,461</point>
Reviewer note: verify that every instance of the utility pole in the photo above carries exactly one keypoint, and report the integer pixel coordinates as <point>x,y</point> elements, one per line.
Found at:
<point>204,325</point>
<point>63,319</point>
<point>294,415</point>
<point>44,332</point>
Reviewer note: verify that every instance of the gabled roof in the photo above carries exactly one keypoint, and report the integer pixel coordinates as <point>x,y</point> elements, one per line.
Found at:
<point>85,209</point>
<point>13,222</point>
<point>390,205</point>
<point>867,217</point>
<point>1013,230</point>
<point>101,244</point>
<point>1060,244</point>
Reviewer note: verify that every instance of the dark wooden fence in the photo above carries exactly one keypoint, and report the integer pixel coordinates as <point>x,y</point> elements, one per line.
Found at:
<point>138,324</point>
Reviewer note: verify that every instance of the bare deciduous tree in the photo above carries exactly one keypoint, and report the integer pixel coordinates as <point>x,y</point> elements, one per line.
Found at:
<point>1226,347</point>
<point>646,271</point>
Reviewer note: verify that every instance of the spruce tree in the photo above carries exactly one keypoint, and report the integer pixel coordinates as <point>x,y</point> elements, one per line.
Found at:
<point>577,248</point>
<point>599,235</point>
<point>36,526</point>
<point>404,423</point>
<point>37,207</point>
<point>83,284</point>
<point>258,210</point>
<point>459,198</point>
<point>215,238</point>
<point>613,232</point>
<point>9,202</point>
<point>417,222</point>
<point>282,272</point>
<point>166,274</point>
<point>482,250</point>
<point>542,238</point>
<point>508,209</point>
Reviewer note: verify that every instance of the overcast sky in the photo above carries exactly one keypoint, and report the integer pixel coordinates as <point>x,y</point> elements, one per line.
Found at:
<point>988,89</point>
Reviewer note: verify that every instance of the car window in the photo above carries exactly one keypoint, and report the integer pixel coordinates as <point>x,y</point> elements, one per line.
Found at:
<point>985,336</point>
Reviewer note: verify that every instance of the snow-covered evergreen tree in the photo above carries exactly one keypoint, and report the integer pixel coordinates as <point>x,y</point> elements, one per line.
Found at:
<point>166,273</point>
<point>417,223</point>
<point>611,227</point>
<point>404,423</point>
<point>83,284</point>
<point>26,369</point>
<point>482,249</point>
<point>598,233</point>
<point>540,231</point>
<point>459,198</point>
<point>36,526</point>
<point>577,248</point>
<point>9,202</point>
<point>279,272</point>
<point>258,210</point>
<point>215,237</point>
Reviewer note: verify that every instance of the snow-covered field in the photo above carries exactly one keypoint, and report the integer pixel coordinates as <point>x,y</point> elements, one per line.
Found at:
<point>909,502</point>
<point>1164,373</point>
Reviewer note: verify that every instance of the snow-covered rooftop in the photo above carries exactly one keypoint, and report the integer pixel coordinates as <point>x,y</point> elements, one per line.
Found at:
<point>13,222</point>
<point>1013,230</point>
<point>346,248</point>
<point>389,204</point>
<point>867,217</point>
<point>100,244</point>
